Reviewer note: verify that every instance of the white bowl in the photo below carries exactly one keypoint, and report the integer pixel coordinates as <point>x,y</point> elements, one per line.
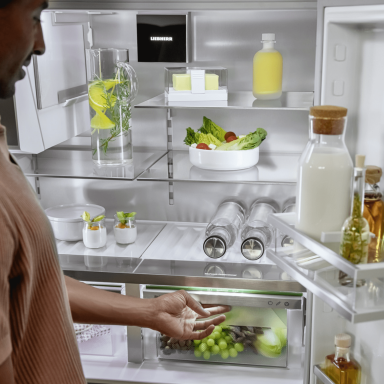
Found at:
<point>66,220</point>
<point>223,160</point>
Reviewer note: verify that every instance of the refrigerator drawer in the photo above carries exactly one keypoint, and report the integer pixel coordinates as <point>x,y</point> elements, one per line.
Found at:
<point>260,330</point>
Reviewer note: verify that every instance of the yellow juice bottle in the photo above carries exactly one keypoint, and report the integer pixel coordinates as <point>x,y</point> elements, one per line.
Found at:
<point>267,70</point>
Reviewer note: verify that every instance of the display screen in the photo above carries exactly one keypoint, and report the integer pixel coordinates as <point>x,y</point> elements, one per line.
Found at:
<point>162,38</point>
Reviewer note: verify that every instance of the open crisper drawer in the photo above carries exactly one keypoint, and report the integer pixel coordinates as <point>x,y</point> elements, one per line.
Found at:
<point>317,266</point>
<point>260,330</point>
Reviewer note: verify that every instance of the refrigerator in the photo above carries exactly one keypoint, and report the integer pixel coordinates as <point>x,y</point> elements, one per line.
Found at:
<point>333,54</point>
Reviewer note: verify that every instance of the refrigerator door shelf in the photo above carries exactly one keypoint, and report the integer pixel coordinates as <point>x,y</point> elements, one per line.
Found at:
<point>321,375</point>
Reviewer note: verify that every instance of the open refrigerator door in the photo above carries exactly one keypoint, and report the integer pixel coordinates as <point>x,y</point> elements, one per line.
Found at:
<point>349,74</point>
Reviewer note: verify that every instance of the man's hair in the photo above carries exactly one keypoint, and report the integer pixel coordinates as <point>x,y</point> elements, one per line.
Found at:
<point>4,3</point>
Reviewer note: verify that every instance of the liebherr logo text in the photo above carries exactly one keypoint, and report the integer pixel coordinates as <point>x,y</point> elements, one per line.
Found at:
<point>161,38</point>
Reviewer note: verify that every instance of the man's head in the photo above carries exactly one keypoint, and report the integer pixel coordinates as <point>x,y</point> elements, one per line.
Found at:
<point>21,37</point>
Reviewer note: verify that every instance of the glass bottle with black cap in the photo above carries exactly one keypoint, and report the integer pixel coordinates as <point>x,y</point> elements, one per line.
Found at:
<point>223,228</point>
<point>257,234</point>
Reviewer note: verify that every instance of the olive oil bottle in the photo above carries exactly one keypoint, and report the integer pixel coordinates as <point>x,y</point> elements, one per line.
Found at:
<point>340,367</point>
<point>355,234</point>
<point>374,213</point>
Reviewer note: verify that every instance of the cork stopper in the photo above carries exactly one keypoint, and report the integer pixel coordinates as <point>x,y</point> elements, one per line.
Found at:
<point>360,161</point>
<point>342,340</point>
<point>328,119</point>
<point>373,174</point>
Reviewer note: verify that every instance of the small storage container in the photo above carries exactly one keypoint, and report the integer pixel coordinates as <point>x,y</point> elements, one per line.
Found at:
<point>67,222</point>
<point>196,84</point>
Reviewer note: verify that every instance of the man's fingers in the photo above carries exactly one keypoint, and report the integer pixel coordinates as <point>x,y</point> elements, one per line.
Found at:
<point>201,335</point>
<point>207,323</point>
<point>194,305</point>
<point>216,310</point>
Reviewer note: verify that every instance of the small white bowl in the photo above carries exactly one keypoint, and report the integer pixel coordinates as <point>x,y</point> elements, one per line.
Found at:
<point>223,160</point>
<point>67,222</point>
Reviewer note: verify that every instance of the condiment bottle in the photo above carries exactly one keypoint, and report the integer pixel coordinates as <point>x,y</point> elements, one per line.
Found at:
<point>223,229</point>
<point>323,195</point>
<point>374,213</point>
<point>355,235</point>
<point>340,367</point>
<point>267,70</point>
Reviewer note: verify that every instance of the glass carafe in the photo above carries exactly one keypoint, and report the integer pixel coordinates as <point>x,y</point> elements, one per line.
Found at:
<point>223,229</point>
<point>323,197</point>
<point>112,86</point>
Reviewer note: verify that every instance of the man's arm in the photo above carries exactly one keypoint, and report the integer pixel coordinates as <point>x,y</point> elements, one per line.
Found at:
<point>6,371</point>
<point>173,314</point>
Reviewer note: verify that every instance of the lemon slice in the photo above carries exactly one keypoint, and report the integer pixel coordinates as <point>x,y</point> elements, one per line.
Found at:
<point>98,96</point>
<point>100,121</point>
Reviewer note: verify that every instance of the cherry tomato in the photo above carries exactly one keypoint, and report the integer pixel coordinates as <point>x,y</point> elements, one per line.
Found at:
<point>203,146</point>
<point>229,134</point>
<point>231,138</point>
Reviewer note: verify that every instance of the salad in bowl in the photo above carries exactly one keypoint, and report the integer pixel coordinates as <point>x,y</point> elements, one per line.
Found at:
<point>211,147</point>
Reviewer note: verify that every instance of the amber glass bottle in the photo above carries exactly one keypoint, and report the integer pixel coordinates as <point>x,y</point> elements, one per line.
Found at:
<point>374,213</point>
<point>340,367</point>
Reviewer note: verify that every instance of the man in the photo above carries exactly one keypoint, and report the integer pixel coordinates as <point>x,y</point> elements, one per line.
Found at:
<point>37,341</point>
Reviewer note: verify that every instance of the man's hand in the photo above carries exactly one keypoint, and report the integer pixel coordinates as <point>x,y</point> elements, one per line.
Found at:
<point>173,314</point>
<point>176,314</point>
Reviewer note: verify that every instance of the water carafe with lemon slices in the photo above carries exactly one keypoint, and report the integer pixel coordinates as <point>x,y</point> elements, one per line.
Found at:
<point>112,86</point>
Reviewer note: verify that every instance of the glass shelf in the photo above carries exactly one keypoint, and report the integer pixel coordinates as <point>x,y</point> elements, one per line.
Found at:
<point>271,169</point>
<point>78,164</point>
<point>320,273</point>
<point>297,101</point>
<point>146,233</point>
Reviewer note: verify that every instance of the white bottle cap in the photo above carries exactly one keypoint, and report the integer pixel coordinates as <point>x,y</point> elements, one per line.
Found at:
<point>268,37</point>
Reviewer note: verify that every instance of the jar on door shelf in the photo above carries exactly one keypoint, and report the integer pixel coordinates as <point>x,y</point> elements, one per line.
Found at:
<point>374,213</point>
<point>325,174</point>
<point>124,228</point>
<point>94,231</point>
<point>355,236</point>
<point>257,234</point>
<point>223,229</point>
<point>340,367</point>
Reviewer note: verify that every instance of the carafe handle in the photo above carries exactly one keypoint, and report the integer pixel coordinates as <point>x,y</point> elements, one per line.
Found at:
<point>131,77</point>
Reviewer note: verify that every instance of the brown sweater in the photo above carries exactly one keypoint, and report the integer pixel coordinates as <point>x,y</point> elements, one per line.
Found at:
<point>35,320</point>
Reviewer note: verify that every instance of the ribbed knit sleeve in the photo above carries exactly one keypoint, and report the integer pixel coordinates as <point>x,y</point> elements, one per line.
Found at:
<point>7,251</point>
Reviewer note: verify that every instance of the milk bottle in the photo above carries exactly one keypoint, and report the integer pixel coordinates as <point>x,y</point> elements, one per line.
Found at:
<point>325,174</point>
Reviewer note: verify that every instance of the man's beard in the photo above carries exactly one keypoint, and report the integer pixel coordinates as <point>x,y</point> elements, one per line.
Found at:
<point>7,90</point>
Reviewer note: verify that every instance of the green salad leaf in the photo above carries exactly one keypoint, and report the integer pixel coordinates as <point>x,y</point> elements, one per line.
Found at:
<point>208,139</point>
<point>192,137</point>
<point>210,127</point>
<point>124,216</point>
<point>251,141</point>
